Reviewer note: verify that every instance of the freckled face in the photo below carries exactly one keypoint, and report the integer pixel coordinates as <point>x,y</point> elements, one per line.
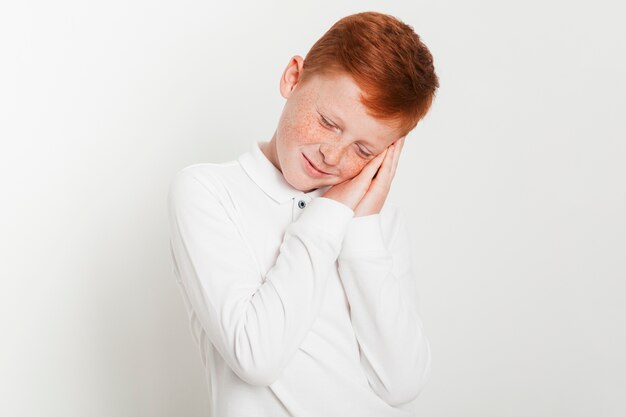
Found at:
<point>324,124</point>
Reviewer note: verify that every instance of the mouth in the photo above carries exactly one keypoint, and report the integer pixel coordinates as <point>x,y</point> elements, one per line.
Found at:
<point>312,169</point>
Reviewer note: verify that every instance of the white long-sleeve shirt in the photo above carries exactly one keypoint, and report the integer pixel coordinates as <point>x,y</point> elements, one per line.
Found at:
<point>299,308</point>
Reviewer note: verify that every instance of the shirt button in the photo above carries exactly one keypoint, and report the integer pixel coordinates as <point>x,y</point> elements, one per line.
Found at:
<point>301,204</point>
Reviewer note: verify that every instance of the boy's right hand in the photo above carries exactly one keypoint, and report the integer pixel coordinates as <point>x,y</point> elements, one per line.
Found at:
<point>351,191</point>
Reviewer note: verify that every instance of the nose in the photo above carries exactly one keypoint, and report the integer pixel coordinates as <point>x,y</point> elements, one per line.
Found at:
<point>331,153</point>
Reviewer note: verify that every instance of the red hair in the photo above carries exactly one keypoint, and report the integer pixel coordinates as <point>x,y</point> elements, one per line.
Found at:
<point>386,59</point>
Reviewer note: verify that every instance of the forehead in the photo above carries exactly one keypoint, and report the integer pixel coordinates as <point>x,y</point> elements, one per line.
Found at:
<point>338,97</point>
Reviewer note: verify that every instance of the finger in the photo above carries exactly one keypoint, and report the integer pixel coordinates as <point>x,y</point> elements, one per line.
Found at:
<point>398,145</point>
<point>401,142</point>
<point>396,156</point>
<point>372,166</point>
<point>382,177</point>
<point>388,163</point>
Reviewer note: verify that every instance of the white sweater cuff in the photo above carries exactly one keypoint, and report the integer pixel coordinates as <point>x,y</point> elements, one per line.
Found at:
<point>327,216</point>
<point>364,235</point>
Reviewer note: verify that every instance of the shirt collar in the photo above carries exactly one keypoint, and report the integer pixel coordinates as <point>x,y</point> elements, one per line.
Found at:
<point>269,178</point>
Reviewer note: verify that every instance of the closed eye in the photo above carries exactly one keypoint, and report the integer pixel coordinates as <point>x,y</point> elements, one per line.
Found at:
<point>365,154</point>
<point>327,124</point>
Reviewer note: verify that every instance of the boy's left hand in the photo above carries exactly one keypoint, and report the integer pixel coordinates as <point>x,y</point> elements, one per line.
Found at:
<point>373,200</point>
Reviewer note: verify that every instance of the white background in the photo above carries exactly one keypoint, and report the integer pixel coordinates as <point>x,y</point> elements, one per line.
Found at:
<point>515,186</point>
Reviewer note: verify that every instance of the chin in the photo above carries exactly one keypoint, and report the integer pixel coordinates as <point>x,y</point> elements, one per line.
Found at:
<point>298,183</point>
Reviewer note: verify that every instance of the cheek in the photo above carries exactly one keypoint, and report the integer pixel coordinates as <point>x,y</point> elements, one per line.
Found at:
<point>303,131</point>
<point>300,126</point>
<point>353,165</point>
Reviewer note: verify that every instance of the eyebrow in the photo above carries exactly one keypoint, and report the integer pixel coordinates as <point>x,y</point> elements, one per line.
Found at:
<point>365,141</point>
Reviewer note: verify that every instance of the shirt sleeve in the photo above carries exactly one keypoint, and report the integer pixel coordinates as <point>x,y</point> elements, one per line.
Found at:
<point>256,323</point>
<point>375,267</point>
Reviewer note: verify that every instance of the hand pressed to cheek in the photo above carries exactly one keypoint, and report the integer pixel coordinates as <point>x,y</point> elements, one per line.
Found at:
<point>342,158</point>
<point>351,191</point>
<point>374,199</point>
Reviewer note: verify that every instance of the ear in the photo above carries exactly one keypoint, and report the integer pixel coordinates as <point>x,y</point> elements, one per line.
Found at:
<point>291,76</point>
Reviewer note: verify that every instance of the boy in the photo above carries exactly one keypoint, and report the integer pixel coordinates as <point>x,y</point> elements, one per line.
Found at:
<point>296,276</point>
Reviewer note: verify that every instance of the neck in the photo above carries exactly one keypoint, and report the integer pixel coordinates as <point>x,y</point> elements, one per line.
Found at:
<point>269,150</point>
